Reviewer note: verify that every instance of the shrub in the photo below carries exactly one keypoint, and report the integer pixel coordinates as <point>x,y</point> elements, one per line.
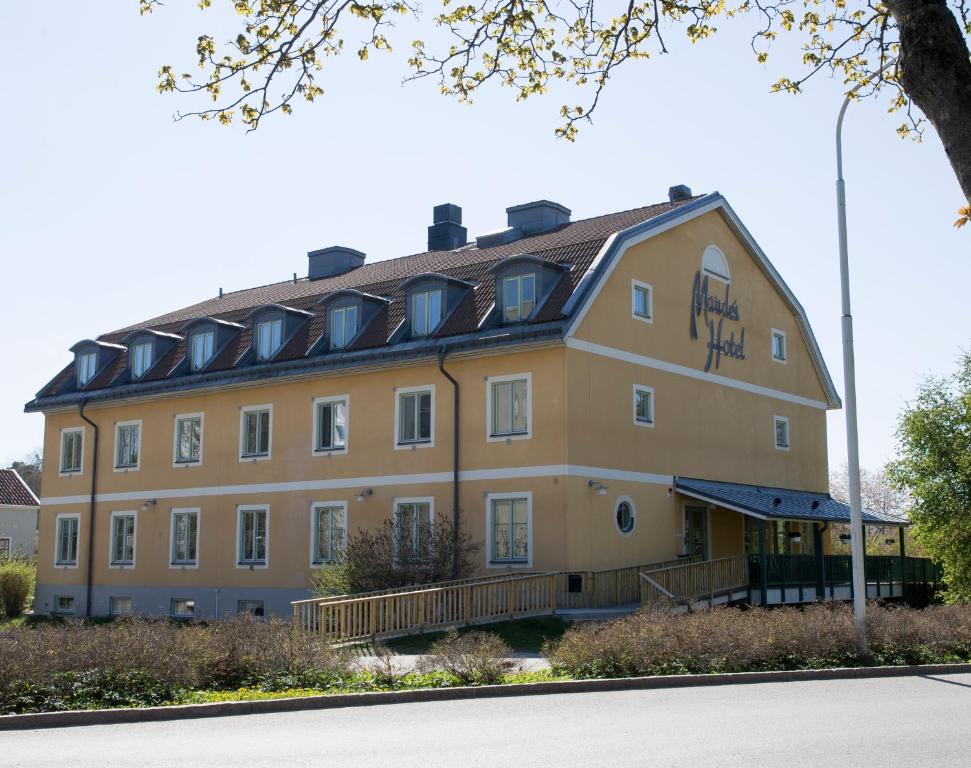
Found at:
<point>732,640</point>
<point>475,658</point>
<point>17,578</point>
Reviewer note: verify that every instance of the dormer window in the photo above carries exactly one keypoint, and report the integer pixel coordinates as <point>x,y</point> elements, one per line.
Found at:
<point>201,349</point>
<point>343,326</point>
<point>141,358</point>
<point>518,297</point>
<point>269,338</point>
<point>86,365</point>
<point>426,312</point>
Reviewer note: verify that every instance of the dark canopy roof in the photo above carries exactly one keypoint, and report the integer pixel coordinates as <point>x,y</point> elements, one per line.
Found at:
<point>776,503</point>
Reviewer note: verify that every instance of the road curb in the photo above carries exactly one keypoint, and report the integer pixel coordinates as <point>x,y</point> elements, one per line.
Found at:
<point>331,701</point>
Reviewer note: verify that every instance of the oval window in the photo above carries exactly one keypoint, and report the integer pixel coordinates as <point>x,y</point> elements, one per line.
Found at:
<point>624,515</point>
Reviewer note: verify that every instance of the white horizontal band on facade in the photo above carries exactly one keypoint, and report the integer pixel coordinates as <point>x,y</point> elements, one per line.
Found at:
<point>683,370</point>
<point>505,473</point>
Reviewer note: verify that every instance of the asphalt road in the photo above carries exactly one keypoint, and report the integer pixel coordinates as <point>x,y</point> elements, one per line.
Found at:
<point>908,721</point>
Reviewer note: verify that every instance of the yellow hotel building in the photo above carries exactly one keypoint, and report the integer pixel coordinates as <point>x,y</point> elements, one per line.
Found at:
<point>582,395</point>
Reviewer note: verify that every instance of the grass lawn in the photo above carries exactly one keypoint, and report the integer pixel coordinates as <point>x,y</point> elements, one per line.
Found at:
<point>522,635</point>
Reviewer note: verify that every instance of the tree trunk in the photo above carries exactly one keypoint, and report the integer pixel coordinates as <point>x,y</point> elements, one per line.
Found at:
<point>935,71</point>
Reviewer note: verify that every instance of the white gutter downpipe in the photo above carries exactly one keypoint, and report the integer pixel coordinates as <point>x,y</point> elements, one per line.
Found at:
<point>849,386</point>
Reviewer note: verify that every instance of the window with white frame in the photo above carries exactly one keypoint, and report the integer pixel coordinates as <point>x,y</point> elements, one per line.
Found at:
<point>426,312</point>
<point>330,424</point>
<point>643,406</point>
<point>414,416</point>
<point>188,439</point>
<point>185,537</point>
<point>5,546</point>
<point>781,429</point>
<point>120,606</point>
<point>182,608</point>
<point>509,532</point>
<point>86,365</point>
<point>251,607</point>
<point>72,450</point>
<point>327,532</point>
<point>343,326</point>
<point>642,301</point>
<point>509,407</point>
<point>518,297</point>
<point>779,351</point>
<point>128,435</point>
<point>412,527</point>
<point>66,544</point>
<point>625,515</point>
<point>255,425</point>
<point>201,350</point>
<point>269,338</point>
<point>63,604</point>
<point>141,359</point>
<point>252,536</point>
<point>122,538</point>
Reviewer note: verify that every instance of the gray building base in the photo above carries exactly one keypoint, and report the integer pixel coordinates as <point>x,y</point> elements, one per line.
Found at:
<point>210,602</point>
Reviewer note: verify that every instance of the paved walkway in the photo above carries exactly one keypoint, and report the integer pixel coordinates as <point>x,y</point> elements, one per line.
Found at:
<point>909,722</point>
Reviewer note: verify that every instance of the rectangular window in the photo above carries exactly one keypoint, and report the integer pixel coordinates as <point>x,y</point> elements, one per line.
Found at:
<point>426,312</point>
<point>63,604</point>
<point>781,424</point>
<point>185,537</point>
<point>72,447</point>
<point>202,348</point>
<point>412,527</point>
<point>188,439</point>
<point>252,536</point>
<point>86,366</point>
<point>252,607</point>
<point>509,406</point>
<point>182,608</point>
<point>643,301</point>
<point>518,297</point>
<point>330,424</point>
<point>414,417</point>
<point>779,351</point>
<point>141,359</point>
<point>120,606</point>
<point>328,532</point>
<point>66,552</point>
<point>122,538</point>
<point>255,429</point>
<point>509,520</point>
<point>343,326</point>
<point>269,337</point>
<point>643,405</point>
<point>127,444</point>
<point>4,547</point>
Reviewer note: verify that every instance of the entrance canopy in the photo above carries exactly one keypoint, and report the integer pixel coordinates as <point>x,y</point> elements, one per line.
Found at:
<point>767,503</point>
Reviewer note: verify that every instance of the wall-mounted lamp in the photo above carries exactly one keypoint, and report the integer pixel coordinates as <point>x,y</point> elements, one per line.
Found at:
<point>600,487</point>
<point>795,537</point>
<point>148,503</point>
<point>845,537</point>
<point>364,494</point>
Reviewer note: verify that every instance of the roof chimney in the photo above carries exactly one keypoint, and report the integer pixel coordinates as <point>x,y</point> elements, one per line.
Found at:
<point>679,193</point>
<point>335,260</point>
<point>446,232</point>
<point>536,217</point>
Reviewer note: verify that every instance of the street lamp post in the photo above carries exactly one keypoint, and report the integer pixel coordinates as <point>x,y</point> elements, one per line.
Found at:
<point>849,396</point>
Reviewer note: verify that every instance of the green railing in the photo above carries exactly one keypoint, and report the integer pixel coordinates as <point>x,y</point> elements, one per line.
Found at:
<point>802,571</point>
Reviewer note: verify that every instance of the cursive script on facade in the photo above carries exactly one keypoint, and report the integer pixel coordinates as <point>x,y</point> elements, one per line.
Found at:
<point>708,307</point>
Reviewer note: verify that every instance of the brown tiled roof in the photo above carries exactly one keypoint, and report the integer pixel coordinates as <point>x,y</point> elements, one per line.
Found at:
<point>14,491</point>
<point>575,245</point>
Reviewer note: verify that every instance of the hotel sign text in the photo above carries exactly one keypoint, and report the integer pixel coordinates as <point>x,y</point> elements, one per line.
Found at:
<point>710,307</point>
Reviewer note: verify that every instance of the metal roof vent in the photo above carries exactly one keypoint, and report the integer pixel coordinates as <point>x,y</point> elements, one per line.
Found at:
<point>335,260</point>
<point>679,193</point>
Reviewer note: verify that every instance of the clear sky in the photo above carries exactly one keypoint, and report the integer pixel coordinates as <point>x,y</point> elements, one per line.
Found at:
<point>111,213</point>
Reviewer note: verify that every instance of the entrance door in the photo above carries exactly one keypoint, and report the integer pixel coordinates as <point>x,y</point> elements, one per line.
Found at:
<point>696,531</point>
